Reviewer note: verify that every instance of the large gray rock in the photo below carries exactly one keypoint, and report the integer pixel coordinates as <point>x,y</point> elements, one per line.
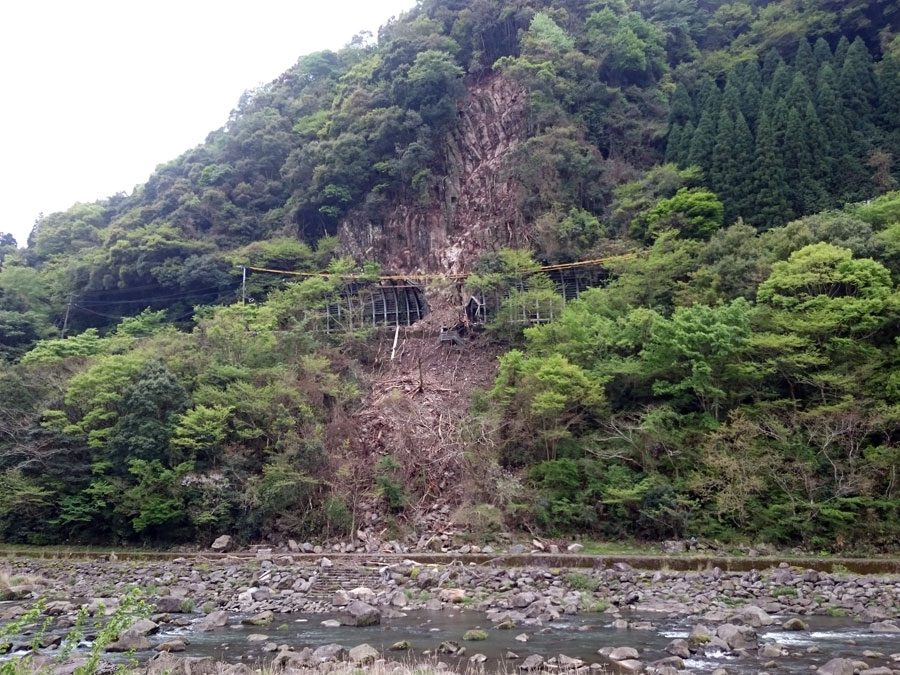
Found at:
<point>795,624</point>
<point>363,655</point>
<point>222,544</point>
<point>211,621</point>
<point>840,667</point>
<point>531,663</point>
<point>751,615</point>
<point>884,627</point>
<point>169,604</point>
<point>332,652</point>
<point>623,653</point>
<point>700,635</point>
<point>360,614</point>
<point>144,627</point>
<point>679,648</point>
<point>128,641</point>
<point>630,666</point>
<point>261,619</point>
<point>522,600</point>
<point>737,637</point>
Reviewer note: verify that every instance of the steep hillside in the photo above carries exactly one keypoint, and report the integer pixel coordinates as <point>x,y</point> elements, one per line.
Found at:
<point>735,377</point>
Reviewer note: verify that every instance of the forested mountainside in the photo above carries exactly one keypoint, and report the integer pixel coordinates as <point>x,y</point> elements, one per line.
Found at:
<point>737,377</point>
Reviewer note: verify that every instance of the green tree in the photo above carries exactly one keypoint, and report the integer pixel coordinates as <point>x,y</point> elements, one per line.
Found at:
<point>696,356</point>
<point>694,212</point>
<point>770,205</point>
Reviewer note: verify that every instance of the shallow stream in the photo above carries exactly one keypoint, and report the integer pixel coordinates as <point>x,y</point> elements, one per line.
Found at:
<point>577,636</point>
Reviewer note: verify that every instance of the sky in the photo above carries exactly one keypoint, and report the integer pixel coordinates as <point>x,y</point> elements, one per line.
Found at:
<point>97,93</point>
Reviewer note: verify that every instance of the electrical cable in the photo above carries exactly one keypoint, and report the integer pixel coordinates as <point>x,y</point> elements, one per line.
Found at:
<point>425,277</point>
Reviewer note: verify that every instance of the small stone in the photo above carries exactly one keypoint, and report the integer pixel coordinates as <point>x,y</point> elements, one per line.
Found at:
<point>400,646</point>
<point>257,637</point>
<point>522,637</point>
<point>331,623</point>
<point>575,548</point>
<point>532,662</point>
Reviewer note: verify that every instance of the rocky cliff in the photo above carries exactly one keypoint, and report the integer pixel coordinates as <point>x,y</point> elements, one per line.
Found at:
<point>471,209</point>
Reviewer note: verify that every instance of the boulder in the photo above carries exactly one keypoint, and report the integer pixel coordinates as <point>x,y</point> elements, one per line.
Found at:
<point>575,548</point>
<point>623,653</point>
<point>332,652</point>
<point>531,663</point>
<point>257,637</point>
<point>400,646</point>
<point>364,655</point>
<point>169,604</point>
<point>452,595</point>
<point>679,648</point>
<point>331,623</point>
<point>700,635</point>
<point>630,666</point>
<point>211,621</point>
<point>222,544</point>
<point>171,646</point>
<point>360,614</point>
<point>341,598</point>
<point>751,615</point>
<point>884,627</point>
<point>523,600</point>
<point>770,651</point>
<point>450,648</point>
<point>129,640</point>
<point>363,593</point>
<point>795,624</point>
<point>144,627</point>
<point>261,619</point>
<point>475,635</point>
<point>737,637</point>
<point>839,667</point>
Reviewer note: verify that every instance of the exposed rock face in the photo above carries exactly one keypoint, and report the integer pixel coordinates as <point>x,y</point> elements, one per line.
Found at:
<point>472,209</point>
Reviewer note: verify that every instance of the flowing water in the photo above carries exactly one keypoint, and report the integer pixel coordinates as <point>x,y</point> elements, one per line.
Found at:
<point>578,636</point>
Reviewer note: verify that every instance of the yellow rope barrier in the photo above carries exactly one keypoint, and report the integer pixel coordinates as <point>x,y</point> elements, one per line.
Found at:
<point>426,277</point>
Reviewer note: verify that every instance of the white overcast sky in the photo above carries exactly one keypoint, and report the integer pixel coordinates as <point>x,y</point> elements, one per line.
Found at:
<point>96,93</point>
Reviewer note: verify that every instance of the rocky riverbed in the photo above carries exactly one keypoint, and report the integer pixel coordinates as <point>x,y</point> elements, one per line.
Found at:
<point>271,611</point>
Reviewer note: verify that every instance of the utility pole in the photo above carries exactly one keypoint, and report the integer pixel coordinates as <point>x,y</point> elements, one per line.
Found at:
<point>66,319</point>
<point>243,285</point>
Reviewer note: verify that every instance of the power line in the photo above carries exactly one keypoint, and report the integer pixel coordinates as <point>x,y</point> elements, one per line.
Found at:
<point>212,290</point>
<point>426,277</point>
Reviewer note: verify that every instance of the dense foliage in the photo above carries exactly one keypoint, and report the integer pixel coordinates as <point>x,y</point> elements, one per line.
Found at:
<point>737,377</point>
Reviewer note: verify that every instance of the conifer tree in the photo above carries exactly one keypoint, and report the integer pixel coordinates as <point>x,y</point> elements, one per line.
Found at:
<point>840,53</point>
<point>817,197</point>
<point>682,110</point>
<point>703,142</point>
<point>683,152</point>
<point>768,192</point>
<point>770,65</point>
<point>708,97</point>
<point>742,168</point>
<point>781,80</point>
<point>889,108</point>
<point>805,193</point>
<point>831,116</point>
<point>674,142</point>
<point>858,91</point>
<point>822,52</point>
<point>805,63</point>
<point>721,174</point>
<point>858,86</point>
<point>751,91</point>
